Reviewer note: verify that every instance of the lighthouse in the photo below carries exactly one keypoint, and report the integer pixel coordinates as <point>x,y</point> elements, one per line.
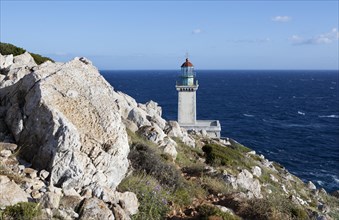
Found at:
<point>187,86</point>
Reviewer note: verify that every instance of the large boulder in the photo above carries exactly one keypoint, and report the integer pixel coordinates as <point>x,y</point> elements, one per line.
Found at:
<point>66,121</point>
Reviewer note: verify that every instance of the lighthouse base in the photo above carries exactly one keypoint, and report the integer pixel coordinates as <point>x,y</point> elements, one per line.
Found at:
<point>212,127</point>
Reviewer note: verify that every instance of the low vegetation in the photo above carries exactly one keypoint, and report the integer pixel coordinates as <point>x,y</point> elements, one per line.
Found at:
<point>7,49</point>
<point>193,184</point>
<point>21,211</point>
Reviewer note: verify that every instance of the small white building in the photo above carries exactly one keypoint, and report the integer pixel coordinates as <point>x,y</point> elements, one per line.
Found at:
<point>187,86</point>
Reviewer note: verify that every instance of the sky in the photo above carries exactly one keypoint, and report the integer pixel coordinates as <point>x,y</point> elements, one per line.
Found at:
<point>157,34</point>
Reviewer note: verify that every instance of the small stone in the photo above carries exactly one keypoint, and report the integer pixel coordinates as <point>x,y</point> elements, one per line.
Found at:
<point>129,201</point>
<point>43,190</point>
<point>273,178</point>
<point>50,200</point>
<point>8,146</point>
<point>21,167</point>
<point>36,194</point>
<point>5,153</point>
<point>224,209</point>
<point>311,186</point>
<point>38,185</point>
<point>30,172</point>
<point>256,171</point>
<point>43,174</point>
<point>87,193</point>
<point>251,152</point>
<point>70,192</point>
<point>323,191</point>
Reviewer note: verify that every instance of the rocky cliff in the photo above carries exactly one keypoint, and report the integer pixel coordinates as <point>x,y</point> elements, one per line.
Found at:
<point>68,141</point>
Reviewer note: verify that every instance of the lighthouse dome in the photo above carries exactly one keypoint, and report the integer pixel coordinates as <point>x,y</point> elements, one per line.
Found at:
<point>187,63</point>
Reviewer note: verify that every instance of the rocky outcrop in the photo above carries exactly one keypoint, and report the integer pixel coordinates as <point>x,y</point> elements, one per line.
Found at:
<point>15,68</point>
<point>67,121</point>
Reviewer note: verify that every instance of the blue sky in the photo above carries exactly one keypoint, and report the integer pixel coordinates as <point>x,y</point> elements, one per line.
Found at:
<point>157,34</point>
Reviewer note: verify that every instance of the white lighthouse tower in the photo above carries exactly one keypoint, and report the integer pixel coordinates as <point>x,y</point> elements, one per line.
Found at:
<point>187,85</point>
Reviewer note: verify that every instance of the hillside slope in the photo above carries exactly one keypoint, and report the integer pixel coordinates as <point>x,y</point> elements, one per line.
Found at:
<point>71,147</point>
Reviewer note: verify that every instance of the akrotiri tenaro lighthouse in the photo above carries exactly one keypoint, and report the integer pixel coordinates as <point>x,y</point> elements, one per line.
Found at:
<point>187,86</point>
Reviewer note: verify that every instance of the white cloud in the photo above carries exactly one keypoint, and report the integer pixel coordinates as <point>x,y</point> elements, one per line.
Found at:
<point>281,18</point>
<point>196,31</point>
<point>325,38</point>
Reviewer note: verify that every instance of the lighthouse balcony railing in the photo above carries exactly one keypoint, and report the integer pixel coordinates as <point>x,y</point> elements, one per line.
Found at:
<point>187,83</point>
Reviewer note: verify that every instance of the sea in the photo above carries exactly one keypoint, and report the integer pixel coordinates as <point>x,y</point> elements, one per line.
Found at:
<point>291,117</point>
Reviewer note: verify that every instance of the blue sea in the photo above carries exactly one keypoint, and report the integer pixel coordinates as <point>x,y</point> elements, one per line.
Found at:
<point>291,117</point>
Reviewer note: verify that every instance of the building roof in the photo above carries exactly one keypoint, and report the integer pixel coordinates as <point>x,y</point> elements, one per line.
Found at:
<point>187,64</point>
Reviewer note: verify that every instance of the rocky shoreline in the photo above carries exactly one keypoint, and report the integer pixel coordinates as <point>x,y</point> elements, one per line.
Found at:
<point>66,140</point>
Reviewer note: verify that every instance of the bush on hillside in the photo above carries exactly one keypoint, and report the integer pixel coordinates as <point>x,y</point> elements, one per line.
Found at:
<point>7,49</point>
<point>22,211</point>
<point>221,155</point>
<point>145,159</point>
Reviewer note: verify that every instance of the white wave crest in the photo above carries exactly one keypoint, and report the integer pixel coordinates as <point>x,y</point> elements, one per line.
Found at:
<point>301,113</point>
<point>328,116</point>
<point>248,115</point>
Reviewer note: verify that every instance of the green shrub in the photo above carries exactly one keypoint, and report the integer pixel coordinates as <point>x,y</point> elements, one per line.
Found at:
<point>184,195</point>
<point>208,212</point>
<point>146,159</point>
<point>7,49</point>
<point>195,169</point>
<point>151,195</point>
<point>221,155</point>
<point>21,211</point>
<point>299,213</point>
<point>214,185</point>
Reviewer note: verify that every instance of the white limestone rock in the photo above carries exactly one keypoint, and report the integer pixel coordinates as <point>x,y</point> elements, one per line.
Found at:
<point>128,201</point>
<point>21,66</point>
<point>186,139</point>
<point>256,171</point>
<point>93,209</point>
<point>152,133</point>
<point>152,108</point>
<point>130,125</point>
<point>311,185</point>
<point>245,180</point>
<point>6,61</point>
<point>5,153</point>
<point>169,147</point>
<point>124,103</point>
<point>139,117</point>
<point>173,129</point>
<point>24,59</point>
<point>158,120</point>
<point>11,193</point>
<point>76,138</point>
